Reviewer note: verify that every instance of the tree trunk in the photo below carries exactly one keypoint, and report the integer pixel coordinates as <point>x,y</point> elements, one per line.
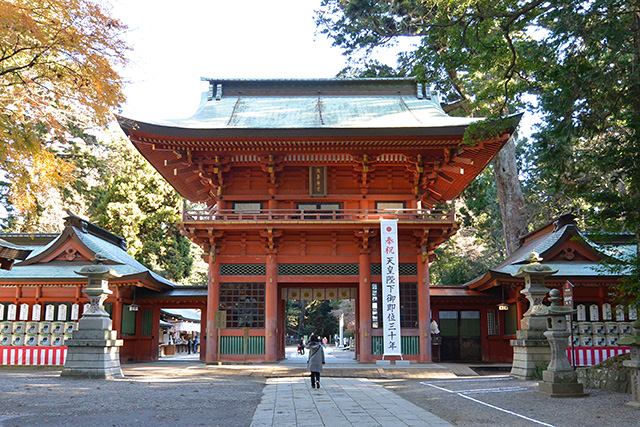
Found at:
<point>512,207</point>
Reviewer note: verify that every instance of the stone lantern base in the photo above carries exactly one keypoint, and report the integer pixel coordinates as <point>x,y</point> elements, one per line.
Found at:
<point>528,354</point>
<point>94,351</point>
<point>634,367</point>
<point>561,384</point>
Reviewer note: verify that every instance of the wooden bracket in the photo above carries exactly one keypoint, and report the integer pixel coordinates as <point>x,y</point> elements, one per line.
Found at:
<point>363,166</point>
<point>269,237</point>
<point>363,238</point>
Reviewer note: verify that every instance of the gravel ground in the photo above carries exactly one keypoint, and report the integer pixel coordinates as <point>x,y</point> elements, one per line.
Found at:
<point>193,394</point>
<point>451,400</point>
<point>158,396</point>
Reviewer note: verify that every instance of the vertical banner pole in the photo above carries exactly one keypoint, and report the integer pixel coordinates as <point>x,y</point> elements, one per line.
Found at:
<point>390,287</point>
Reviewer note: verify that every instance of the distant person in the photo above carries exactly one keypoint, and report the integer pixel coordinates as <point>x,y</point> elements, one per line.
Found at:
<point>315,361</point>
<point>188,345</point>
<point>195,344</point>
<point>301,347</point>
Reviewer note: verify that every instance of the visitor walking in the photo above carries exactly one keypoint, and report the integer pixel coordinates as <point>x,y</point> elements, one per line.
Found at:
<point>301,347</point>
<point>315,361</point>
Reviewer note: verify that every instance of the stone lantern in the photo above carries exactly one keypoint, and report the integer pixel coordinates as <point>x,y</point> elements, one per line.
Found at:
<point>634,364</point>
<point>530,348</point>
<point>94,350</point>
<point>559,380</point>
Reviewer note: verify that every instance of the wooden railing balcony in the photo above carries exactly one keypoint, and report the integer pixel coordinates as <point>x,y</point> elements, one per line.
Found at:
<point>197,214</point>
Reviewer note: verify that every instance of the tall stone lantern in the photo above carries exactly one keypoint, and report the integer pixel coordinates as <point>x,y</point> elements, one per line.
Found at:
<point>531,348</point>
<point>94,350</point>
<point>634,364</point>
<point>559,379</point>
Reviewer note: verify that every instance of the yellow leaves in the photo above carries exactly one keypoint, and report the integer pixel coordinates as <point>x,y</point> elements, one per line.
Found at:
<point>32,175</point>
<point>58,62</point>
<point>54,51</point>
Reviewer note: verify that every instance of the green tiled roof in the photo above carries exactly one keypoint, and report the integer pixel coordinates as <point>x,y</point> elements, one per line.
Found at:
<point>95,240</point>
<point>318,103</point>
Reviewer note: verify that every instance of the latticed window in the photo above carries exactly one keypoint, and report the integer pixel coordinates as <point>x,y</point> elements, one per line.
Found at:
<point>247,207</point>
<point>404,269</point>
<point>408,305</point>
<point>244,304</point>
<point>318,269</point>
<point>243,269</point>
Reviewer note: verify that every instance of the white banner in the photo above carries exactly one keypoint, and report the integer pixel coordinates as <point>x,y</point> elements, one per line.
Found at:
<point>390,287</point>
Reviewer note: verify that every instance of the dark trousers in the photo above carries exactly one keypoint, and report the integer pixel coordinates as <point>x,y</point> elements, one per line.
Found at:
<point>315,376</point>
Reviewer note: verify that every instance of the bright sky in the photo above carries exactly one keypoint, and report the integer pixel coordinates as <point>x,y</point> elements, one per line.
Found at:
<point>176,43</point>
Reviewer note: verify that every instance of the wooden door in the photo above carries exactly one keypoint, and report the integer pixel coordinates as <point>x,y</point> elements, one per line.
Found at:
<point>460,333</point>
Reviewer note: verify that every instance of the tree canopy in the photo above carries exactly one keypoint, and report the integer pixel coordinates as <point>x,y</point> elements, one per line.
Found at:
<point>579,60</point>
<point>135,202</point>
<point>58,69</point>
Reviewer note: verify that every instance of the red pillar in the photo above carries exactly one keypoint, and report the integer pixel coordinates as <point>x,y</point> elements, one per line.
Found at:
<point>155,337</point>
<point>203,334</point>
<point>364,308</point>
<point>424,310</point>
<point>521,306</point>
<point>213,303</point>
<point>282,327</point>
<point>271,311</point>
<point>116,315</point>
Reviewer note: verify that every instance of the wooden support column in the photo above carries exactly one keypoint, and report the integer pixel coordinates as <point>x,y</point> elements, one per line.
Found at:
<point>521,306</point>
<point>364,307</point>
<point>271,310</point>
<point>282,327</point>
<point>116,315</point>
<point>203,334</point>
<point>155,333</point>
<point>424,310</point>
<point>213,303</point>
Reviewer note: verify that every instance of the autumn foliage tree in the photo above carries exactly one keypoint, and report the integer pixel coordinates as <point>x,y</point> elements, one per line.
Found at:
<point>58,63</point>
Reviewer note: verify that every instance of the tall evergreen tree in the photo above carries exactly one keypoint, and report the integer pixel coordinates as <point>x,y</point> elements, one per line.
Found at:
<point>581,60</point>
<point>136,203</point>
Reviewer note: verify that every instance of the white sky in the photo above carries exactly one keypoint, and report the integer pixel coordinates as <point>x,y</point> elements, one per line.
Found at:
<point>176,43</point>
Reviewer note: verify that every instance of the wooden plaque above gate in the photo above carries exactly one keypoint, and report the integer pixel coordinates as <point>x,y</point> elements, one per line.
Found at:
<point>317,181</point>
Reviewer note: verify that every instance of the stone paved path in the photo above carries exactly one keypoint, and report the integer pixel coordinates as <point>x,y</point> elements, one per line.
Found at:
<point>340,402</point>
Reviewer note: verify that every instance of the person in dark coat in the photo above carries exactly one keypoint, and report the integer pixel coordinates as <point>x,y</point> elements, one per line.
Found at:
<point>315,361</point>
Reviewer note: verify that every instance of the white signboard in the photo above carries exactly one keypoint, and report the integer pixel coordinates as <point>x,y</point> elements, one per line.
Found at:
<point>633,313</point>
<point>86,308</point>
<point>75,311</point>
<point>390,287</point>
<point>606,311</point>
<point>49,312</point>
<point>24,312</point>
<point>593,313</point>
<point>12,312</point>
<point>582,313</point>
<point>620,313</point>
<point>1,311</point>
<point>36,314</point>
<point>62,313</point>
